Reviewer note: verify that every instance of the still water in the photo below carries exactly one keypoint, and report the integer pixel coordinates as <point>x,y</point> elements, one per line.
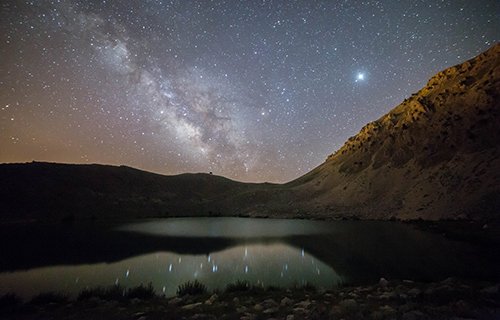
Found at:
<point>218,251</point>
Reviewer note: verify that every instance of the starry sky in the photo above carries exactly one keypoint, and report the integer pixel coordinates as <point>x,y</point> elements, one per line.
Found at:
<point>251,90</point>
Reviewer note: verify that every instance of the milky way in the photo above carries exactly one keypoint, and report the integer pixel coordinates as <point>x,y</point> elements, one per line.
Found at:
<point>252,90</point>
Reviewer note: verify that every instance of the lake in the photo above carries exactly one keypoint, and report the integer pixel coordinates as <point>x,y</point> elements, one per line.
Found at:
<point>217,251</point>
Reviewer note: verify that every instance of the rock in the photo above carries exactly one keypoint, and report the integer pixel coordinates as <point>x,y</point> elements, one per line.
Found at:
<point>387,311</point>
<point>202,316</point>
<point>286,302</point>
<point>409,306</point>
<point>290,317</point>
<point>376,315</point>
<point>241,309</point>
<point>491,290</point>
<point>258,307</point>
<point>271,310</point>
<point>135,301</point>
<point>348,304</point>
<point>485,226</point>
<point>175,301</point>
<point>269,303</point>
<point>446,289</point>
<point>236,300</point>
<point>429,291</point>
<point>415,292</point>
<point>248,316</point>
<point>191,306</point>
<point>449,281</point>
<point>383,283</point>
<point>299,312</point>
<point>463,309</point>
<point>303,304</point>
<point>413,315</point>
<point>142,318</point>
<point>388,296</point>
<point>138,314</point>
<point>212,299</point>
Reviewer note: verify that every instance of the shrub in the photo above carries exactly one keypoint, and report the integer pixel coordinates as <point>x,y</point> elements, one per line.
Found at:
<point>103,293</point>
<point>273,288</point>
<point>49,297</point>
<point>141,292</point>
<point>238,286</point>
<point>307,287</point>
<point>191,288</point>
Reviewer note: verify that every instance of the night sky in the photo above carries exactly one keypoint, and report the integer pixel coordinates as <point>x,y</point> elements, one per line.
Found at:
<point>252,90</point>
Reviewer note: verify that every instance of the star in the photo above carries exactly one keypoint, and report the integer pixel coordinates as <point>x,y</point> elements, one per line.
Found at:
<point>204,80</point>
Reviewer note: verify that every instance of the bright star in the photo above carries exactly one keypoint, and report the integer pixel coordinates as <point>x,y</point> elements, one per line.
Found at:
<point>360,77</point>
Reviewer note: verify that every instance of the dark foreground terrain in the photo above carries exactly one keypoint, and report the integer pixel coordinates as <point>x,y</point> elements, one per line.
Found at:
<point>408,300</point>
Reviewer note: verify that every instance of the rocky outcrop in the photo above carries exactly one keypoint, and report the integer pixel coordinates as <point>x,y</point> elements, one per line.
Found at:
<point>435,156</point>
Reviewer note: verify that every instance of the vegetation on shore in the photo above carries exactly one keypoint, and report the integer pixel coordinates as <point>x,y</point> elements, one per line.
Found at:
<point>403,299</point>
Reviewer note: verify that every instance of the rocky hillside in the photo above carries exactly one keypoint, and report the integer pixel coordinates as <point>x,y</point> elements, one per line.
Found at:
<point>434,156</point>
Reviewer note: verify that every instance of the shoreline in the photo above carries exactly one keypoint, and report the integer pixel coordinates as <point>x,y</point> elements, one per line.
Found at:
<point>388,299</point>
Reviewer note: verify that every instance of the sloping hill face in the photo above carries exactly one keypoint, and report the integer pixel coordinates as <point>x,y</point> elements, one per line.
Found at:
<point>55,192</point>
<point>435,156</point>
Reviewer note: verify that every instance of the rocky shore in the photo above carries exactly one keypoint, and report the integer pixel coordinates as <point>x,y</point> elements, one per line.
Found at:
<point>402,299</point>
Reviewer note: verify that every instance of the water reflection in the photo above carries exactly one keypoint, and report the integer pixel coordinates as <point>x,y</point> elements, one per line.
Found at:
<point>228,228</point>
<point>216,251</point>
<point>260,264</point>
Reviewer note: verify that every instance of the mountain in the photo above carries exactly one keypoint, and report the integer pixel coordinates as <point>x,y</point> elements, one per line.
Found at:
<point>52,191</point>
<point>434,156</point>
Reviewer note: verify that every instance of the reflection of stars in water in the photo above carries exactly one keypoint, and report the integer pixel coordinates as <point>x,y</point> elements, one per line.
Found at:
<point>197,269</point>
<point>261,267</point>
